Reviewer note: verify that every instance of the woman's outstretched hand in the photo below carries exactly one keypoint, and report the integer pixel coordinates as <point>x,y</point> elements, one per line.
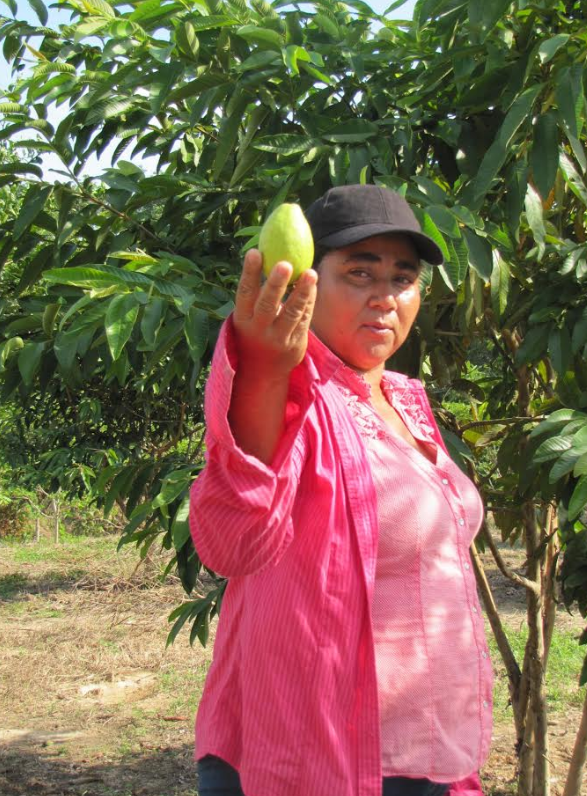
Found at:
<point>271,337</point>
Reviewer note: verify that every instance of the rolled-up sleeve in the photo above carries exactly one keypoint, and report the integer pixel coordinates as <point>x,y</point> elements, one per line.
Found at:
<point>240,508</point>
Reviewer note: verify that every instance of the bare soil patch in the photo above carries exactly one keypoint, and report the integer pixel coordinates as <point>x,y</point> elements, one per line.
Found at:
<point>93,704</point>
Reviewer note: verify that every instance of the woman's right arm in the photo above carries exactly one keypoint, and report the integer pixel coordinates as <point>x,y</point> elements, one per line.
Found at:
<point>240,511</point>
<point>271,339</point>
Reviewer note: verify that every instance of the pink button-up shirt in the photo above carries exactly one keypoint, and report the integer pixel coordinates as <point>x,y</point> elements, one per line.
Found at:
<point>291,697</point>
<point>433,719</point>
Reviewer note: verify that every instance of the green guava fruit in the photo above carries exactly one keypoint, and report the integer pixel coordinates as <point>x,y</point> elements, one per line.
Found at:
<point>286,235</point>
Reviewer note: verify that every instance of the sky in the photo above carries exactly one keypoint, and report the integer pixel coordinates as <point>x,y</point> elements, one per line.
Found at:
<point>57,17</point>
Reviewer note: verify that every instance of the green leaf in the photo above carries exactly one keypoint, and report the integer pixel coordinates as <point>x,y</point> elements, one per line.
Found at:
<point>551,448</point>
<point>201,84</point>
<point>197,332</point>
<point>119,322</point>
<point>151,321</point>
<point>484,15</point>
<point>454,269</point>
<point>570,98</point>
<point>533,345</point>
<point>321,77</point>
<point>32,204</point>
<point>99,8</point>
<point>559,349</point>
<point>12,6</point>
<point>40,10</point>
<point>500,284</point>
<point>110,109</point>
<point>549,47</point>
<point>578,499</point>
<point>353,131</point>
<point>11,108</point>
<point>579,335</point>
<point>211,22</point>
<point>544,158</point>
<point>49,67</point>
<point>89,28</point>
<point>285,143</point>
<point>262,36</point>
<point>187,40</point>
<point>533,205</point>
<point>29,360</point>
<point>480,254</point>
<point>173,486</point>
<point>21,168</point>
<point>327,25</point>
<point>292,54</point>
<point>556,421</point>
<point>228,136</point>
<point>180,529</point>
<point>444,220</point>
<point>9,347</point>
<point>34,269</point>
<point>65,349</point>
<point>497,153</point>
<point>580,467</point>
<point>429,228</point>
<point>563,465</point>
<point>573,178</point>
<point>459,451</point>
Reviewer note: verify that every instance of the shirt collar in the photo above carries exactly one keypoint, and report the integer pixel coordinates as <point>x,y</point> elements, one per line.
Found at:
<point>329,366</point>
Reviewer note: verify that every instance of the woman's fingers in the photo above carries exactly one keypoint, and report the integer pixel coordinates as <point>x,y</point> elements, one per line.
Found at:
<point>296,313</point>
<point>249,285</point>
<point>268,304</point>
<point>260,307</point>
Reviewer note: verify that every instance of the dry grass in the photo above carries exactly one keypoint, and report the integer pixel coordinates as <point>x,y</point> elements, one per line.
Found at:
<point>92,704</point>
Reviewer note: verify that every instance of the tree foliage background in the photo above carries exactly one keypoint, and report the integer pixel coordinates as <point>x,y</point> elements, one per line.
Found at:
<point>113,287</point>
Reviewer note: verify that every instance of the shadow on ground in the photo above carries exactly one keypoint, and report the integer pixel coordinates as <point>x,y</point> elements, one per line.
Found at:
<point>16,586</point>
<point>44,771</point>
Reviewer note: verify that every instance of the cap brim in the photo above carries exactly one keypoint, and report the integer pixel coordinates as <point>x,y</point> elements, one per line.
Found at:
<point>427,249</point>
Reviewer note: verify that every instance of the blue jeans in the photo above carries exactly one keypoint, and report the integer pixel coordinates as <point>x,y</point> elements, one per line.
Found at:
<point>217,778</point>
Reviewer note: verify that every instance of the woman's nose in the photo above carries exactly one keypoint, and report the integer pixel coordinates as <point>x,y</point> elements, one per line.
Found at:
<point>383,296</point>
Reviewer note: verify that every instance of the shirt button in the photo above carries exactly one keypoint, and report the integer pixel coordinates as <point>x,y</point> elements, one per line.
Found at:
<point>474,609</point>
<point>485,703</point>
<point>445,481</point>
<point>467,566</point>
<point>483,654</point>
<point>461,521</point>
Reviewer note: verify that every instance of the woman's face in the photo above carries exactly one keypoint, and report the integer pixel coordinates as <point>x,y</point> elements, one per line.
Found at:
<point>368,298</point>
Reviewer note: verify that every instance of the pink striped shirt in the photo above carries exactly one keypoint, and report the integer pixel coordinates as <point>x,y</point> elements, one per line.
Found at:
<point>291,699</point>
<point>430,717</point>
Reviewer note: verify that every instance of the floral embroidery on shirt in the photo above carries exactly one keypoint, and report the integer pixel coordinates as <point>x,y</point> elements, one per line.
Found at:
<point>368,423</point>
<point>399,392</point>
<point>408,403</point>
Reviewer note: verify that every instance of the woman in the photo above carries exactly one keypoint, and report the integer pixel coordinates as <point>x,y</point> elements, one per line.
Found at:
<point>350,657</point>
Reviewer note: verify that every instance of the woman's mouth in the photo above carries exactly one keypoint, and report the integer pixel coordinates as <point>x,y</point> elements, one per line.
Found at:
<point>377,328</point>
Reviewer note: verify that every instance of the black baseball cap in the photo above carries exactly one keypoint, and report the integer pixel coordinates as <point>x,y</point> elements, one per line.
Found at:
<point>350,213</point>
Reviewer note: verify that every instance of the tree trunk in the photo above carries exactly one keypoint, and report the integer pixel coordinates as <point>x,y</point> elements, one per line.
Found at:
<point>537,714</point>
<point>526,764</point>
<point>503,645</point>
<point>55,510</point>
<point>577,765</point>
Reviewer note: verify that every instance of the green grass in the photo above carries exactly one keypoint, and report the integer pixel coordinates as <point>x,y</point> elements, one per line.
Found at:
<point>186,688</point>
<point>68,547</point>
<point>562,674</point>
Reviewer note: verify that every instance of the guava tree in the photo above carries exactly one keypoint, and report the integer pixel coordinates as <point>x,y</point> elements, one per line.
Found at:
<point>475,111</point>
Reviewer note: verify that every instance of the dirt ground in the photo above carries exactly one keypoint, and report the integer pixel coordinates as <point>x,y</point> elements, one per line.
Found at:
<point>93,704</point>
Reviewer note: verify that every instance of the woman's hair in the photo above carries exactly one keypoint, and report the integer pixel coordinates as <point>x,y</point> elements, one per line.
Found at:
<point>319,253</point>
